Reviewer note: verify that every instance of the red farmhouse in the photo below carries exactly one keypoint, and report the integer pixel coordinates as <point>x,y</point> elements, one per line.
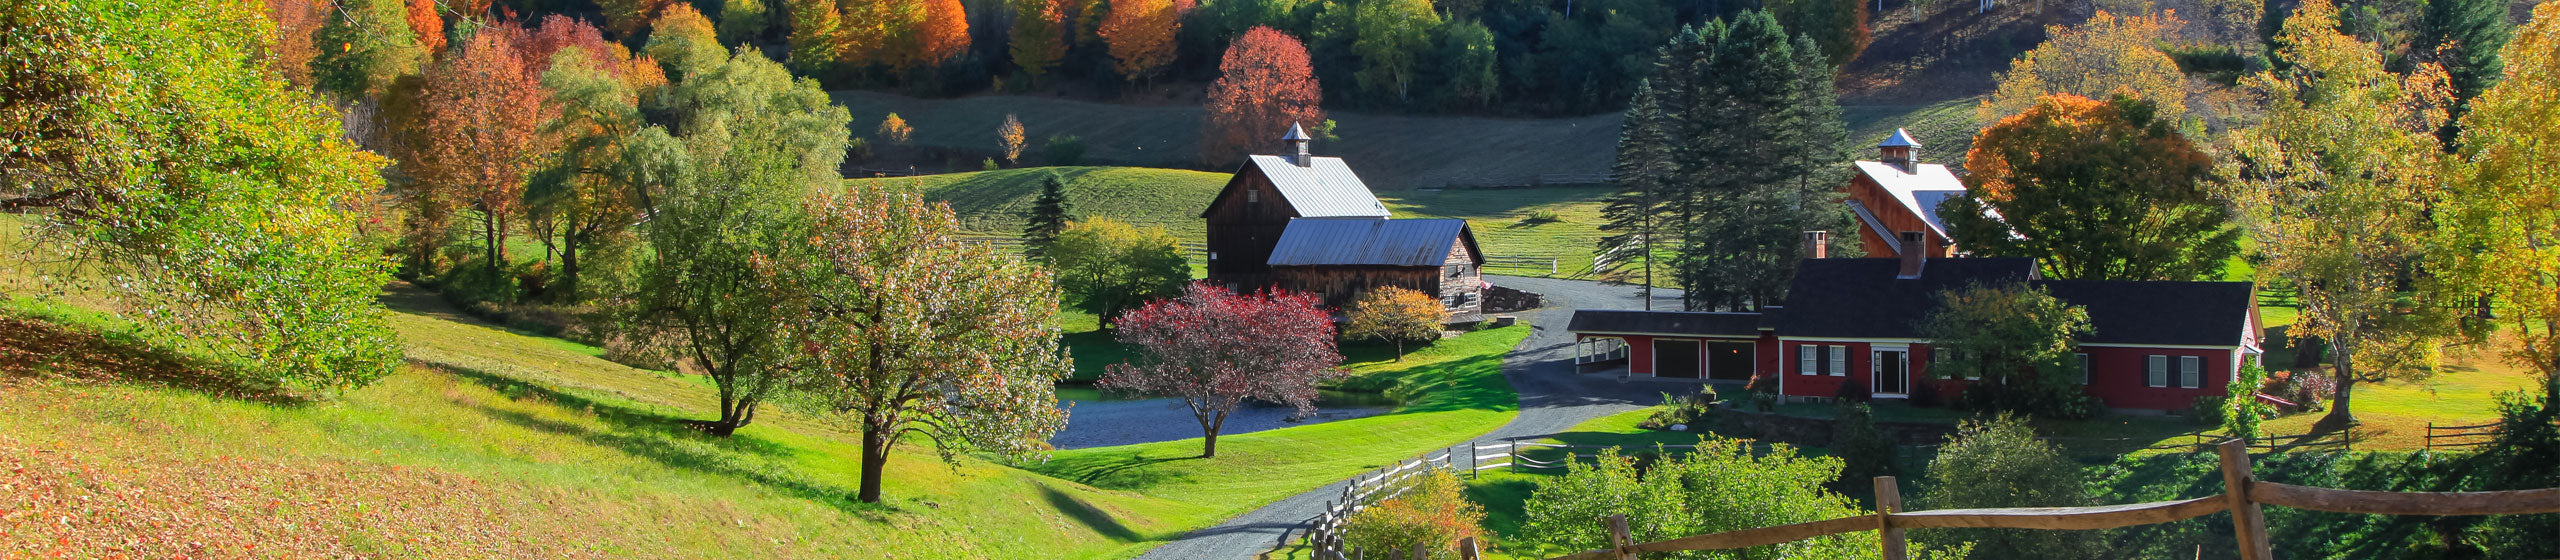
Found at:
<point>2155,345</point>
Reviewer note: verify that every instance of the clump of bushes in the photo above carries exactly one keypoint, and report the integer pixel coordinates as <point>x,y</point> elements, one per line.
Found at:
<point>1720,486</point>
<point>1063,150</point>
<point>2000,464</point>
<point>2309,388</point>
<point>1864,451</point>
<point>1430,510</point>
<point>1679,410</point>
<point>1764,393</point>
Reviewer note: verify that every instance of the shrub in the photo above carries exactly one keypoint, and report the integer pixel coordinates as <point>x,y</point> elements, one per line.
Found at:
<point>989,165</point>
<point>858,149</point>
<point>2242,418</point>
<point>2210,410</point>
<point>2310,388</point>
<point>1430,511</point>
<point>1063,150</point>
<point>2527,445</point>
<point>1997,464</point>
<point>1677,410</point>
<point>1863,450</point>
<point>1764,392</point>
<point>1721,486</point>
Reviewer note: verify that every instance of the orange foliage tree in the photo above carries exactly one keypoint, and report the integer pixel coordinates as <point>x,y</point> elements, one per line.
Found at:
<point>815,26</point>
<point>684,40</point>
<point>428,25</point>
<point>943,34</point>
<point>878,32</point>
<point>2094,190</point>
<point>1140,34</point>
<point>627,17</point>
<point>483,130</point>
<point>295,21</point>
<point>1265,84</point>
<point>1011,137</point>
<point>1395,314</point>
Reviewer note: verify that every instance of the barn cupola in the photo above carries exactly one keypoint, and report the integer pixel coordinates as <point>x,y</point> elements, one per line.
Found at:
<point>1901,151</point>
<point>1297,138</point>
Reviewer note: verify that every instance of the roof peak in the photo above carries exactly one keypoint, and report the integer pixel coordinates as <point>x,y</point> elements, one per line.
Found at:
<point>1900,139</point>
<point>1296,133</point>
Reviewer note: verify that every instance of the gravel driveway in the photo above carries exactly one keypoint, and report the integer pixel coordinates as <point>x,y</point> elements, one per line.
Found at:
<point>1552,399</point>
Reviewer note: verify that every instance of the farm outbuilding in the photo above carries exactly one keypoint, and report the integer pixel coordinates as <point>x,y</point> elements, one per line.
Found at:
<point>1304,223</point>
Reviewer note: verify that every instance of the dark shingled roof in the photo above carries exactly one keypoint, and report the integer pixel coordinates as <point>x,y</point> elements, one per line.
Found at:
<point>1371,242</point>
<point>2171,313</point>
<point>1863,298</point>
<point>1666,322</point>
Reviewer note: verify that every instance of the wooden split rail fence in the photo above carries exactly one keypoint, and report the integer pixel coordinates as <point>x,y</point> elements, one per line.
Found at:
<point>2244,495</point>
<point>1324,531</point>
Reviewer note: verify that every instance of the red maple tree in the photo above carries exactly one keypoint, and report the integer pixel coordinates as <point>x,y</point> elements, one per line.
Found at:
<point>429,26</point>
<point>1214,349</point>
<point>484,113</point>
<point>1264,85</point>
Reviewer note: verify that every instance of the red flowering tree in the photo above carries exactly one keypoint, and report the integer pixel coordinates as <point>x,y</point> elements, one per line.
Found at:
<point>1265,84</point>
<point>1214,349</point>
<point>484,117</point>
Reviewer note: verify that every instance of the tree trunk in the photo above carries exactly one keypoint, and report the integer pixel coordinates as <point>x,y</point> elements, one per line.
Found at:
<point>1209,426</point>
<point>497,251</point>
<point>2341,415</point>
<point>569,267</point>
<point>1399,350</point>
<point>875,458</point>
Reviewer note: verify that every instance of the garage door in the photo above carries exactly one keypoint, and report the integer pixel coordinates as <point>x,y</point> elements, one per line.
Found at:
<point>1675,358</point>
<point>1729,361</point>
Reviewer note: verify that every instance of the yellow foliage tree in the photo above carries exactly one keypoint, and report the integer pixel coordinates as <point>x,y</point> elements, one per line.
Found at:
<point>1395,314</point>
<point>895,129</point>
<point>2502,216</point>
<point>1010,136</point>
<point>2107,54</point>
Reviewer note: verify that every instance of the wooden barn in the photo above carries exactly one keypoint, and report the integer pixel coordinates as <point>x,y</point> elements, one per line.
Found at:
<point>1304,223</point>
<point>1340,258</point>
<point>1900,194</point>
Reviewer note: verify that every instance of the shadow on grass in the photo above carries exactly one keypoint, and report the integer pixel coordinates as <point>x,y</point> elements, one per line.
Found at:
<point>40,349</point>
<point>1471,383</point>
<point>671,441</point>
<point>1092,517</point>
<point>1118,472</point>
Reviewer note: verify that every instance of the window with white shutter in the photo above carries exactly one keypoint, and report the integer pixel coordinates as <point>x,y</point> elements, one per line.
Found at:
<point>2157,369</point>
<point>1839,361</point>
<point>2190,372</point>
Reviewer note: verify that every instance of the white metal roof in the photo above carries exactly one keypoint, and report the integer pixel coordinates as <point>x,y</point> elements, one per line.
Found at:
<point>1326,188</point>
<point>1918,192</point>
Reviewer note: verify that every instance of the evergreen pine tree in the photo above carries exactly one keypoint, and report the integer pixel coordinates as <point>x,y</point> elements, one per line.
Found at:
<point>1643,170</point>
<point>2465,36</point>
<point>1048,217</point>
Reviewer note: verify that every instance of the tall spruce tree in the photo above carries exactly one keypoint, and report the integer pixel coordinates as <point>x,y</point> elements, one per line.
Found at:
<point>1632,218</point>
<point>1048,217</point>
<point>1735,154</point>
<point>2465,36</point>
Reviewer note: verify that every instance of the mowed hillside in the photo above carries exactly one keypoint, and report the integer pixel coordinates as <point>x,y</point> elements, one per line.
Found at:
<point>997,203</point>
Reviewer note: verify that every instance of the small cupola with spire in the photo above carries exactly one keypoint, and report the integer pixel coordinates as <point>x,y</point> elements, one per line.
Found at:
<point>1298,139</point>
<point>1901,151</point>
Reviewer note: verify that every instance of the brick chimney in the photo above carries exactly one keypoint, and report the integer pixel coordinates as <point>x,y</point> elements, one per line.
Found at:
<point>1900,151</point>
<point>1915,253</point>
<point>1298,137</point>
<point>1817,244</point>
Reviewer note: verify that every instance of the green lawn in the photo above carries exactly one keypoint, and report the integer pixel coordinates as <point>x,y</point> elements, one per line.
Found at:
<point>1454,391</point>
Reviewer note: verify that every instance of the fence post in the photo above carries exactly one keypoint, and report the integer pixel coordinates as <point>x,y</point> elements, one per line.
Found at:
<point>1619,539</point>
<point>1467,549</point>
<point>2248,522</point>
<point>1421,552</point>
<point>1889,502</point>
<point>2431,436</point>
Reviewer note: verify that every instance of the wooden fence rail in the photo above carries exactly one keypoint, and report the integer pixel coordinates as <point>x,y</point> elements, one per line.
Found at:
<point>2243,495</point>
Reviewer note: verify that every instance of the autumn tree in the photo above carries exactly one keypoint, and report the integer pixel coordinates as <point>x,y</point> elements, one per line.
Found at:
<point>1839,26</point>
<point>1215,349</point>
<point>2013,341</point>
<point>2501,212</point>
<point>484,116</point>
<point>424,21</point>
<point>1140,35</point>
<point>2334,186</point>
<point>895,129</point>
<point>1107,266</point>
<point>364,46</point>
<point>626,18</point>
<point>1393,36</point>
<point>148,139</point>
<point>1396,315</point>
<point>609,155</point>
<point>1264,86</point>
<point>684,41</point>
<point>942,35</point>
<point>296,21</point>
<point>2093,190</point>
<point>1009,137</point>
<point>2099,57</point>
<point>1039,35</point>
<point>744,21</point>
<point>1048,217</point>
<point>712,291</point>
<point>912,330</point>
<point>814,34</point>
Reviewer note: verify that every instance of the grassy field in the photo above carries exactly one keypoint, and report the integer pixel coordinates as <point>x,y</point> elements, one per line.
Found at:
<point>492,443</point>
<point>999,202</point>
<point>1452,391</point>
<point>1392,152</point>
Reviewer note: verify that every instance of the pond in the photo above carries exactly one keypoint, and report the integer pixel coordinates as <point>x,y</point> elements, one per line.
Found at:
<point>1100,418</point>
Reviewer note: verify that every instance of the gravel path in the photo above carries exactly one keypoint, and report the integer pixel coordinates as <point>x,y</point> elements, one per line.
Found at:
<point>1552,399</point>
<point>1107,423</point>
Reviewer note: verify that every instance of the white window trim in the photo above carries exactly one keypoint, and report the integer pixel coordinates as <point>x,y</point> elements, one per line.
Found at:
<point>1839,354</point>
<point>1807,363</point>
<point>2155,371</point>
<point>2190,372</point>
<point>2084,366</point>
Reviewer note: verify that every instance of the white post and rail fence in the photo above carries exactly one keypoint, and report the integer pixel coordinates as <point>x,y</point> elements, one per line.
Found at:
<point>2243,495</point>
